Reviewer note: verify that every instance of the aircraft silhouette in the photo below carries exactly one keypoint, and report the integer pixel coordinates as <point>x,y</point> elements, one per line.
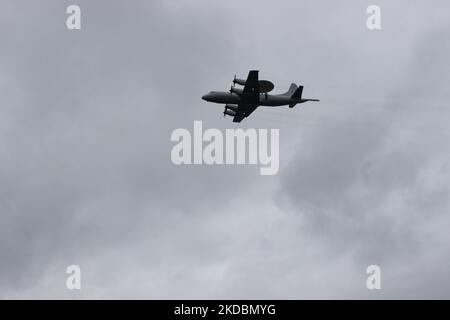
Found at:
<point>240,103</point>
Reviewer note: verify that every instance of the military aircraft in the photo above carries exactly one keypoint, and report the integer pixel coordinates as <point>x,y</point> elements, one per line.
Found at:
<point>240,103</point>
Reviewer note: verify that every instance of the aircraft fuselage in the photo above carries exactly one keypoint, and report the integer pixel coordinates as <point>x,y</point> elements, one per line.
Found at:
<point>265,99</point>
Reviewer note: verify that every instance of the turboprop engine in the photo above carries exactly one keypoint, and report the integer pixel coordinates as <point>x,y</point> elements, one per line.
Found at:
<point>232,107</point>
<point>228,112</point>
<point>236,90</point>
<point>239,81</point>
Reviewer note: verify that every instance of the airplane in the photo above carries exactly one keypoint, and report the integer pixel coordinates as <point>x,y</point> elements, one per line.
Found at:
<point>240,103</point>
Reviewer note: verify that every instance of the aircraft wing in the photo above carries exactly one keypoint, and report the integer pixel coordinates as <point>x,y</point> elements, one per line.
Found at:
<point>252,83</point>
<point>251,97</point>
<point>243,111</point>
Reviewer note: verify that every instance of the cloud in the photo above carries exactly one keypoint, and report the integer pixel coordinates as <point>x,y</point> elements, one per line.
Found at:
<point>375,184</point>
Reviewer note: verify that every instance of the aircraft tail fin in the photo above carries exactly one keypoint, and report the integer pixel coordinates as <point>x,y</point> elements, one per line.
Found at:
<point>291,90</point>
<point>298,93</point>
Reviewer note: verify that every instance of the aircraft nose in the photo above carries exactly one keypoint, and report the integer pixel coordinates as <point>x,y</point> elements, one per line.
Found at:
<point>205,97</point>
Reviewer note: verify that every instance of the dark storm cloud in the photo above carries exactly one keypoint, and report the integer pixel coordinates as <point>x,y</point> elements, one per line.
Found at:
<point>86,176</point>
<point>90,129</point>
<point>372,185</point>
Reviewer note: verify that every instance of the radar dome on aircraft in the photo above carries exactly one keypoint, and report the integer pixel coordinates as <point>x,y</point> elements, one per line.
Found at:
<point>265,86</point>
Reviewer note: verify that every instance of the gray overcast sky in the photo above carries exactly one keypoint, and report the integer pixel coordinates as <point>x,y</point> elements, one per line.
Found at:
<point>86,176</point>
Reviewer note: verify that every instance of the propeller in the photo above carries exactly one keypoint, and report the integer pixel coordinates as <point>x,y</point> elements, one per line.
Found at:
<point>234,80</point>
<point>231,89</point>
